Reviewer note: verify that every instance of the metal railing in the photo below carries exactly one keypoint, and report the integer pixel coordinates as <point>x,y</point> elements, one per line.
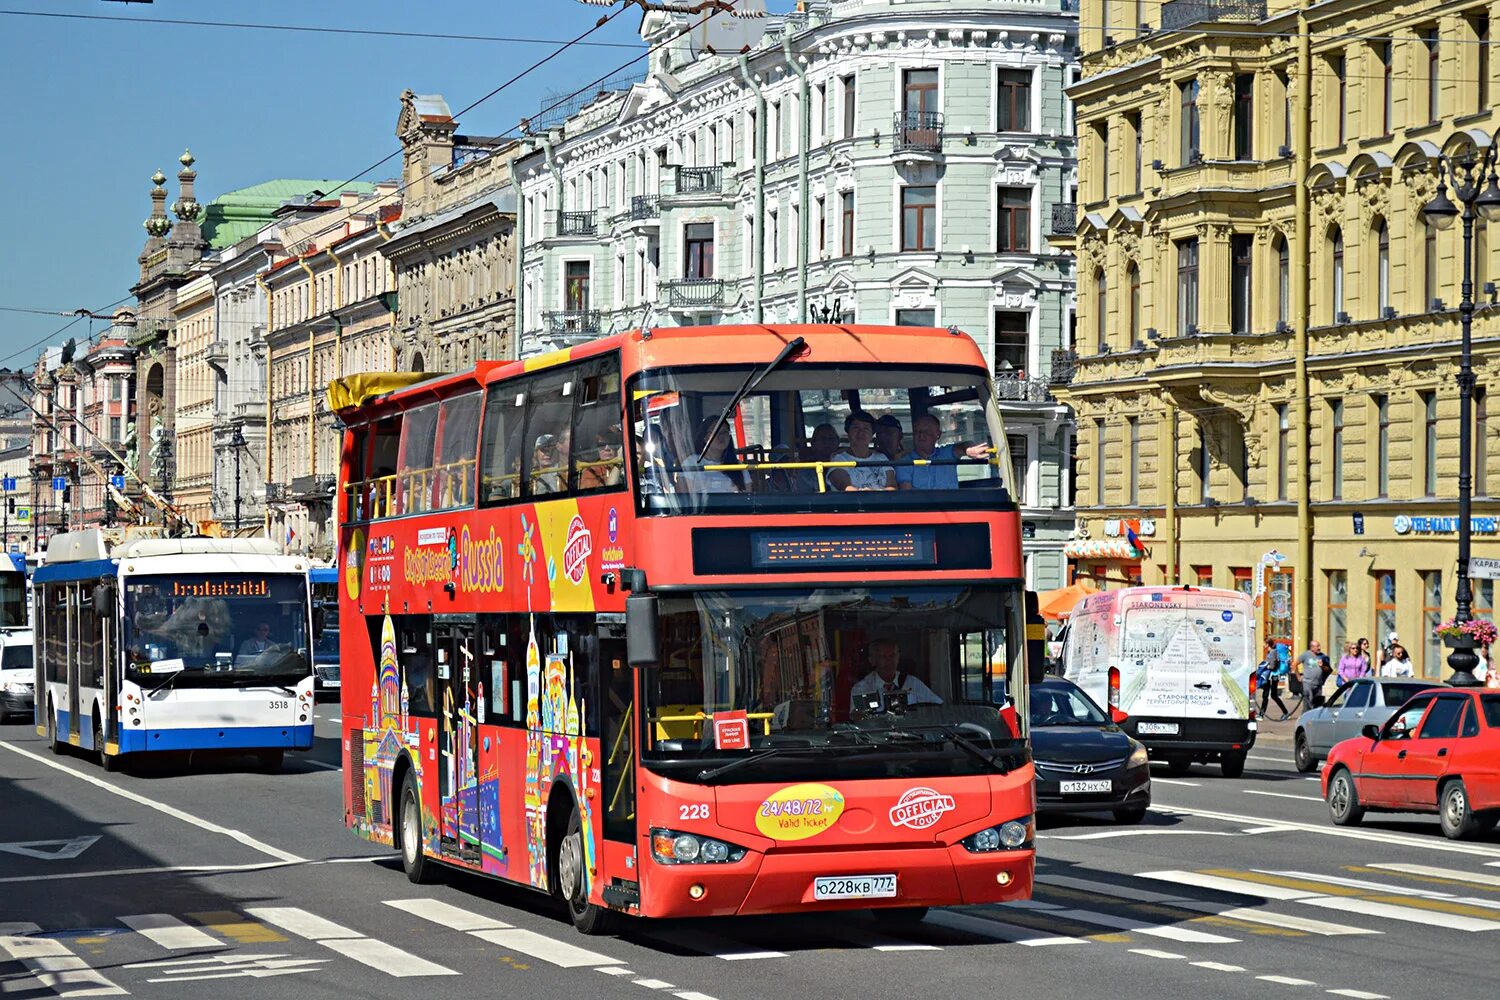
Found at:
<point>576,224</point>
<point>1017,387</point>
<point>1064,367</point>
<point>645,206</point>
<point>919,130</point>
<point>1178,14</point>
<point>1064,219</point>
<point>700,180</point>
<point>573,321</point>
<point>694,292</point>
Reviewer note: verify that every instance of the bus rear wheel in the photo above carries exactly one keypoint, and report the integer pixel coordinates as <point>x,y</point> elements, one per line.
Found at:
<point>418,869</point>
<point>573,884</point>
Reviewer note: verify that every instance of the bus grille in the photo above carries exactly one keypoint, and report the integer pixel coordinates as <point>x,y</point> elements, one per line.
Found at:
<point>356,771</point>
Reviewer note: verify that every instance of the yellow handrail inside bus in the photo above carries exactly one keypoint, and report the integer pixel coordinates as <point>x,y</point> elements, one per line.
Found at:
<point>671,727</point>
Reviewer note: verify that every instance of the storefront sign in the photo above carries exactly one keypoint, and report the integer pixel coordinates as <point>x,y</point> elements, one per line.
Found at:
<point>1484,569</point>
<point>1405,525</point>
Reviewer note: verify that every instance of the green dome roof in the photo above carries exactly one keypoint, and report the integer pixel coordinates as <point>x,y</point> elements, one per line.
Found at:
<point>235,215</point>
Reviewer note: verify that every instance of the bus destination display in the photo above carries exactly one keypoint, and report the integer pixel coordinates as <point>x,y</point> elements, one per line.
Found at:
<point>248,586</point>
<point>829,549</point>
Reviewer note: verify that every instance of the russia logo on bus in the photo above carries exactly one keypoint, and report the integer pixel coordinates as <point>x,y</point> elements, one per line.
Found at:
<point>577,549</point>
<point>920,808</point>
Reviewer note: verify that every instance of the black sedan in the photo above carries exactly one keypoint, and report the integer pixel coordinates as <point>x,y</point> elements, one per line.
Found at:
<point>1084,762</point>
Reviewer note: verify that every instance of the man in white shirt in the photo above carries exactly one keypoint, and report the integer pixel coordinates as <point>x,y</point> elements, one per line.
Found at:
<point>256,644</point>
<point>887,678</point>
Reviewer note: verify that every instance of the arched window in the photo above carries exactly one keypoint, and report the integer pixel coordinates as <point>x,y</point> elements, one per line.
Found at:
<point>1133,277</point>
<point>1283,281</point>
<point>1336,253</point>
<point>1382,267</point>
<point>1101,307</point>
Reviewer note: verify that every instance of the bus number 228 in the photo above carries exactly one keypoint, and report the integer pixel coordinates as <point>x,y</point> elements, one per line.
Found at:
<point>697,810</point>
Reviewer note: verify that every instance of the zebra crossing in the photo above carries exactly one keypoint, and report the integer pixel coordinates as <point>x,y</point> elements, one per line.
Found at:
<point>1203,917</point>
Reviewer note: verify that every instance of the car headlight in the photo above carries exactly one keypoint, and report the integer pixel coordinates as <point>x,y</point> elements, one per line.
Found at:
<point>15,687</point>
<point>669,847</point>
<point>1008,836</point>
<point>1138,758</point>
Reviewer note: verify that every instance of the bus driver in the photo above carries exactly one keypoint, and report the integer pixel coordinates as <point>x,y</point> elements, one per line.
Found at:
<point>888,678</point>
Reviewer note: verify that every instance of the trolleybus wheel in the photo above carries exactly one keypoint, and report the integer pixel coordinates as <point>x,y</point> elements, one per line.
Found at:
<point>418,868</point>
<point>52,739</point>
<point>106,761</point>
<point>573,884</point>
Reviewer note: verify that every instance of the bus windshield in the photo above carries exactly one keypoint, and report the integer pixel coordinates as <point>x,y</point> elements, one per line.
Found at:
<point>818,436</point>
<point>220,630</point>
<point>845,682</point>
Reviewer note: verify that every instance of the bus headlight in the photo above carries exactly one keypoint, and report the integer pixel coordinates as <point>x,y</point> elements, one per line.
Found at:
<point>668,847</point>
<point>1008,836</point>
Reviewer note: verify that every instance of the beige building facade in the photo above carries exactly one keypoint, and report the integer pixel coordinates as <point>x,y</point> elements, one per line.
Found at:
<point>1265,370</point>
<point>192,331</point>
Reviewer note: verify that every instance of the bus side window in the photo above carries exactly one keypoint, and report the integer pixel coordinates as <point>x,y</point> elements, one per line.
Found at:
<point>414,648</point>
<point>502,669</point>
<point>598,435</point>
<point>459,430</point>
<point>356,491</point>
<point>384,451</point>
<point>500,451</point>
<point>414,469</point>
<point>547,444</point>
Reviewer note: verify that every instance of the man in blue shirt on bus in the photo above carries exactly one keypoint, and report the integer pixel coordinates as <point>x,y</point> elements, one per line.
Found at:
<point>943,475</point>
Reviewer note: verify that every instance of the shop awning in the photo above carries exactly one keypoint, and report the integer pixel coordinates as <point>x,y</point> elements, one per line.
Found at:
<point>1056,605</point>
<point>1102,548</point>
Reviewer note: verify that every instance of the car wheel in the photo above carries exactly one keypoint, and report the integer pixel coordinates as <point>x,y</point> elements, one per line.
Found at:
<point>1455,812</point>
<point>419,869</point>
<point>1131,815</point>
<point>572,882</point>
<point>1302,754</point>
<point>1343,801</point>
<point>1178,766</point>
<point>1232,764</point>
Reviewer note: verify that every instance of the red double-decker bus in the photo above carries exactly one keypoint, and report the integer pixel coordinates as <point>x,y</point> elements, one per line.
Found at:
<point>652,624</point>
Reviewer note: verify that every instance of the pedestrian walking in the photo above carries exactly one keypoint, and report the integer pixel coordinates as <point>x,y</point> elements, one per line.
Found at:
<point>1363,649</point>
<point>1268,678</point>
<point>1313,668</point>
<point>1397,663</point>
<point>1351,664</point>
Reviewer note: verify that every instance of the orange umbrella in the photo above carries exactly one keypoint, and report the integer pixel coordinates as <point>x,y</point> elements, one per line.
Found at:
<point>1058,604</point>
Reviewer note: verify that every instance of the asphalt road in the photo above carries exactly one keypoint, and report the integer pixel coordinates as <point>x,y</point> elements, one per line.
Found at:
<point>176,883</point>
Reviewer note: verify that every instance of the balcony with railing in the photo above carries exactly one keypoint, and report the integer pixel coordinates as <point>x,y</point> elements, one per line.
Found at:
<point>1064,367</point>
<point>573,321</point>
<point>1014,386</point>
<point>919,131</point>
<point>694,293</point>
<point>645,207</point>
<point>1179,14</point>
<point>576,224</point>
<point>699,180</point>
<point>1064,219</point>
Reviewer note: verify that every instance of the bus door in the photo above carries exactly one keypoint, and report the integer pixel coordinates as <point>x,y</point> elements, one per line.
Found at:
<point>619,700</point>
<point>105,614</point>
<point>73,652</point>
<point>458,737</point>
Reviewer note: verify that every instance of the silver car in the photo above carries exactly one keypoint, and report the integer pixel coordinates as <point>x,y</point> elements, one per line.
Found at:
<point>1363,702</point>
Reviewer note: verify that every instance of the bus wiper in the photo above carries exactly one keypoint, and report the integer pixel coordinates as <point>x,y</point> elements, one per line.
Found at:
<point>751,381</point>
<point>973,749</point>
<point>710,773</point>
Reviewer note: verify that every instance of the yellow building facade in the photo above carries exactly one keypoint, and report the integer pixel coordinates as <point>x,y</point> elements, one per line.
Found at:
<point>192,331</point>
<point>1264,373</point>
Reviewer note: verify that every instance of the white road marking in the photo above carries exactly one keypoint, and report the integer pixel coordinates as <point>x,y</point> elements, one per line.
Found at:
<point>1174,781</point>
<point>1108,889</point>
<point>1171,932</point>
<point>1410,914</point>
<point>1269,760</point>
<point>453,917</point>
<point>57,968</point>
<point>169,932</point>
<point>1355,883</point>
<point>324,765</point>
<point>50,850</point>
<point>1004,932</point>
<point>1382,837</point>
<point>1144,832</point>
<point>1283,795</point>
<point>690,995</point>
<point>750,956</point>
<point>151,871</point>
<point>615,971</point>
<point>1359,995</point>
<point>1283,920</point>
<point>654,984</point>
<point>1032,904</point>
<point>547,949</point>
<point>1287,980</point>
<point>1218,966</point>
<point>161,807</point>
<point>1453,874</point>
<point>1239,887</point>
<point>1153,953</point>
<point>377,955</point>
<point>188,970</point>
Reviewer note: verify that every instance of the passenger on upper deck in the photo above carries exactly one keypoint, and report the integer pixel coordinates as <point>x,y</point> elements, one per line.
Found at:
<point>925,431</point>
<point>888,436</point>
<point>602,468</point>
<point>822,446</point>
<point>871,473</point>
<point>694,478</point>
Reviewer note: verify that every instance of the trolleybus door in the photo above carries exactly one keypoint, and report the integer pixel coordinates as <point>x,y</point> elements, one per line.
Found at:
<point>458,773</point>
<point>74,651</point>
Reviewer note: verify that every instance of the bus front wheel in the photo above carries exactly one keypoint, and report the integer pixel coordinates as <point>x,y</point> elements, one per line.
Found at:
<point>52,739</point>
<point>573,883</point>
<point>106,761</point>
<point>418,869</point>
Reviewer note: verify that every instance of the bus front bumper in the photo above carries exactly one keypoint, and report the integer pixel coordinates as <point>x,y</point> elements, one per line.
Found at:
<point>783,882</point>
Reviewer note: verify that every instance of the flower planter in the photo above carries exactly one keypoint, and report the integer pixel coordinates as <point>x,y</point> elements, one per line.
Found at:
<point>1460,642</point>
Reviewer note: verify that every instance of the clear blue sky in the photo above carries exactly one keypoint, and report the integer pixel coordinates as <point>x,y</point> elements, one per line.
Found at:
<point>93,108</point>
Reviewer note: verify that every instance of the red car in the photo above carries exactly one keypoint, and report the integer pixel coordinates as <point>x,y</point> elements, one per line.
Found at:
<point>1439,753</point>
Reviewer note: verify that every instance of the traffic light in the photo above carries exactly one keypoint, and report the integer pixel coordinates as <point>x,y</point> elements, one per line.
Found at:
<point>67,495</point>
<point>10,504</point>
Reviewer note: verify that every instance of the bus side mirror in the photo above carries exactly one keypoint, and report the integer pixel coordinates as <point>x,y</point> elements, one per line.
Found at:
<point>103,601</point>
<point>1036,641</point>
<point>642,630</point>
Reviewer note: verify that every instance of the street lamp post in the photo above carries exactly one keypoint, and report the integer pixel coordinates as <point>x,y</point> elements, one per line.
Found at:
<point>237,442</point>
<point>1473,174</point>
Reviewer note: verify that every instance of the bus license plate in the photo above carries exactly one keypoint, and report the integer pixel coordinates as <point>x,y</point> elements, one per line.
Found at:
<point>1157,729</point>
<point>1076,787</point>
<point>854,887</point>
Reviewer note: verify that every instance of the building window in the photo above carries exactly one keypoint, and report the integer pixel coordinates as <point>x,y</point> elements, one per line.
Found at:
<point>1244,582</point>
<point>918,218</point>
<point>1430,438</point>
<point>1187,287</point>
<point>1382,445</point>
<point>919,95</point>
<point>1283,450</point>
<point>1013,220</point>
<point>576,285</point>
<point>1188,119</point>
<point>1101,308</point>
<point>1434,60</point>
<point>1133,280</point>
<point>1020,463</point>
<point>1012,341</point>
<point>1429,268</point>
<point>1480,452</point>
<point>1244,116</point>
<point>1432,615</point>
<point>822,219</point>
<point>1133,463</point>
<point>1205,466</point>
<point>1386,52</point>
<point>1099,453</point>
<point>1203,575</point>
<point>1283,282</point>
<point>1239,282</point>
<point>116,389</point>
<point>1288,113</point>
<point>1013,101</point>
<point>1382,267</point>
<point>1385,604</point>
<point>1336,66</point>
<point>1101,138</point>
<point>916,317</point>
<point>1338,609</point>
<point>773,238</point>
<point>846,85</point>
<point>846,223</point>
<point>1336,436</point>
<point>1481,29</point>
<point>1133,122</point>
<point>1336,257</point>
<point>698,244</point>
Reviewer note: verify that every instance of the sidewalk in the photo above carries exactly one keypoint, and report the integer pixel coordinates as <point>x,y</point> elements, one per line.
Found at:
<point>1276,732</point>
